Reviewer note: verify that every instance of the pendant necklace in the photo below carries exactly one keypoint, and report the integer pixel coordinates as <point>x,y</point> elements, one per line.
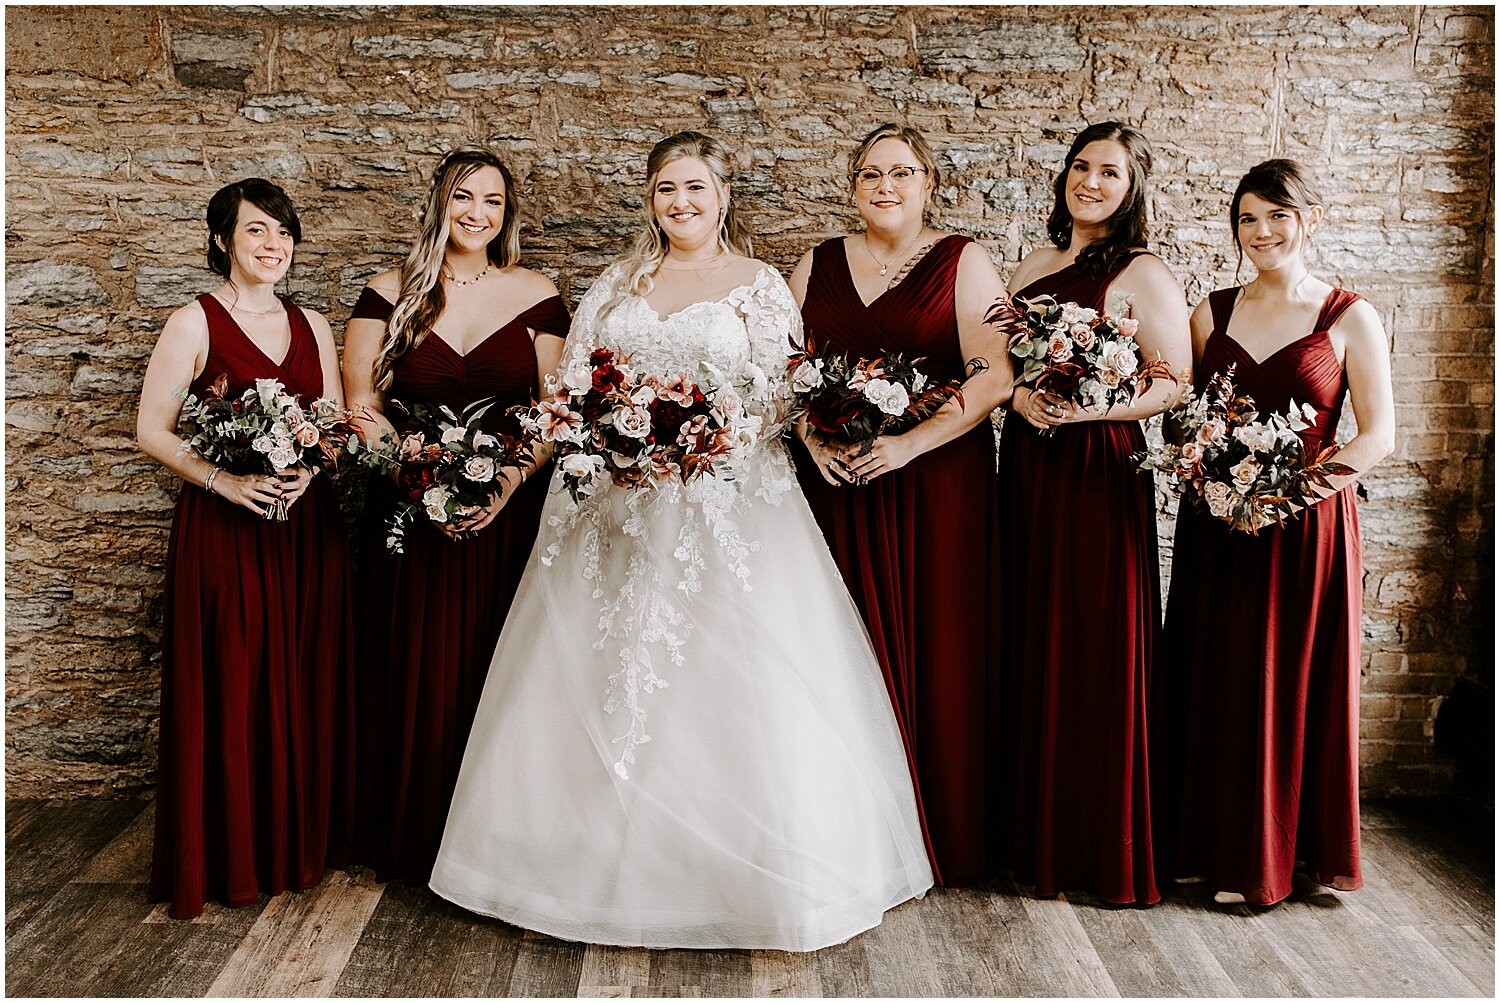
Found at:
<point>885,267</point>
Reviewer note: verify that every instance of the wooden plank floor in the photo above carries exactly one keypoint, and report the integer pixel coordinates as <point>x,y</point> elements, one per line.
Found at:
<point>77,923</point>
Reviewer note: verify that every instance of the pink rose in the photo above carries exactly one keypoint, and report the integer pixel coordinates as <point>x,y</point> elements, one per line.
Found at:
<point>1128,326</point>
<point>1244,473</point>
<point>1084,337</point>
<point>1219,497</point>
<point>306,434</point>
<point>1211,431</point>
<point>411,447</point>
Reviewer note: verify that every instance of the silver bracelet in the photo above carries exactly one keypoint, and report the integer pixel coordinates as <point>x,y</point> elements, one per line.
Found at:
<point>208,484</point>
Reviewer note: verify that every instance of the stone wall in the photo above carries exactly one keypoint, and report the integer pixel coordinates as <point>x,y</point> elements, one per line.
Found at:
<point>122,121</point>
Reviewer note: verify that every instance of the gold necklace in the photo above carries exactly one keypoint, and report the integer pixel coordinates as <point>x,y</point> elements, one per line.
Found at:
<point>253,313</point>
<point>469,282</point>
<point>899,257</point>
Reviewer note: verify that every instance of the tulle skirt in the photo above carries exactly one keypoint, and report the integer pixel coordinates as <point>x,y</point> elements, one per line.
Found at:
<point>684,739</point>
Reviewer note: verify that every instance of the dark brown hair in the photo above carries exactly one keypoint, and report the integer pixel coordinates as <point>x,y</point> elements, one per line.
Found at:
<point>1280,182</point>
<point>224,215</point>
<point>1127,228</point>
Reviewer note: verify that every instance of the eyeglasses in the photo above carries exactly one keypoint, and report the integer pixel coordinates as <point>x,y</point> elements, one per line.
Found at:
<point>868,178</point>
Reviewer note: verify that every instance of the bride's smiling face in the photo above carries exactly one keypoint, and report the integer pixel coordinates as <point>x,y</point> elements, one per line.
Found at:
<point>686,202</point>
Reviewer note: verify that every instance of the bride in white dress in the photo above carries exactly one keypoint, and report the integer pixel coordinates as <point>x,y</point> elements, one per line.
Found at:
<point>684,739</point>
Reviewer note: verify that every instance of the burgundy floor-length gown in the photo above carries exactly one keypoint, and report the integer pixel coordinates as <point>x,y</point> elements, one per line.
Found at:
<point>915,547</point>
<point>1082,607</point>
<point>253,792</point>
<point>432,615</point>
<point>1255,722</point>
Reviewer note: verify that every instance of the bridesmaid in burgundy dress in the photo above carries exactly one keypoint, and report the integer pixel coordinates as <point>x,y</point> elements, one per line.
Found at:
<point>252,786</point>
<point>912,525</point>
<point>459,322</point>
<point>1256,718</point>
<point>1080,596</point>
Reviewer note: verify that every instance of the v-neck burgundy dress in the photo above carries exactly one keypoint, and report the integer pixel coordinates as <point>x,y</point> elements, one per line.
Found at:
<point>1082,611</point>
<point>430,617</point>
<point>1255,727</point>
<point>916,547</point>
<point>253,792</point>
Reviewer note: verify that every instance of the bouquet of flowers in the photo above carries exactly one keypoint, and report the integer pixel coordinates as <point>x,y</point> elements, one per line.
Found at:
<point>449,467</point>
<point>859,401</point>
<point>642,428</point>
<point>1246,470</point>
<point>267,430</point>
<point>1074,352</point>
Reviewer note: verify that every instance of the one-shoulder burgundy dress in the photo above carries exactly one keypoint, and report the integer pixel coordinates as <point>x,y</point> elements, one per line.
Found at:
<point>429,617</point>
<point>1082,606</point>
<point>1255,724</point>
<point>253,791</point>
<point>916,548</point>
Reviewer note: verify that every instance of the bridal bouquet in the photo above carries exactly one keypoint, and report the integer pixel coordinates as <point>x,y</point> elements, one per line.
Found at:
<point>1248,471</point>
<point>859,401</point>
<point>449,467</point>
<point>1089,359</point>
<point>643,428</point>
<point>267,431</point>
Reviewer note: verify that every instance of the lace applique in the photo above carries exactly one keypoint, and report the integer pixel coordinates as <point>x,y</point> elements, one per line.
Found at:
<point>647,613</point>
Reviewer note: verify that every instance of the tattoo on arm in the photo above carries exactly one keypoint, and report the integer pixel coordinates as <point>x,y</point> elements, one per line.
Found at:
<point>975,366</point>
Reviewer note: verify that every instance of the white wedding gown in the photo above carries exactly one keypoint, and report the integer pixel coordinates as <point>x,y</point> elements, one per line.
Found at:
<point>684,739</point>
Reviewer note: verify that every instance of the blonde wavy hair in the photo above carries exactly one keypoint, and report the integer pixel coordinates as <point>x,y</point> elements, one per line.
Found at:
<point>926,159</point>
<point>652,245</point>
<point>421,299</point>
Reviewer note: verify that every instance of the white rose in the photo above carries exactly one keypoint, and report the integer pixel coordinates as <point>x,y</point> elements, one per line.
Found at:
<point>643,396</point>
<point>808,376</point>
<point>1257,437</point>
<point>1072,314</point>
<point>584,466</point>
<point>1118,358</point>
<point>728,403</point>
<point>454,433</point>
<point>281,430</point>
<point>890,397</point>
<point>1059,346</point>
<point>282,457</point>
<point>268,391</point>
<point>479,469</point>
<point>634,422</point>
<point>435,500</point>
<point>263,444</point>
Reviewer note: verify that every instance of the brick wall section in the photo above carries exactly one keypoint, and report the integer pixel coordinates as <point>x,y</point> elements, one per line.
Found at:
<point>122,121</point>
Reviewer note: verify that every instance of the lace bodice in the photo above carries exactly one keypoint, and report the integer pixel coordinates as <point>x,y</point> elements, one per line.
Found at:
<point>755,323</point>
<point>648,551</point>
